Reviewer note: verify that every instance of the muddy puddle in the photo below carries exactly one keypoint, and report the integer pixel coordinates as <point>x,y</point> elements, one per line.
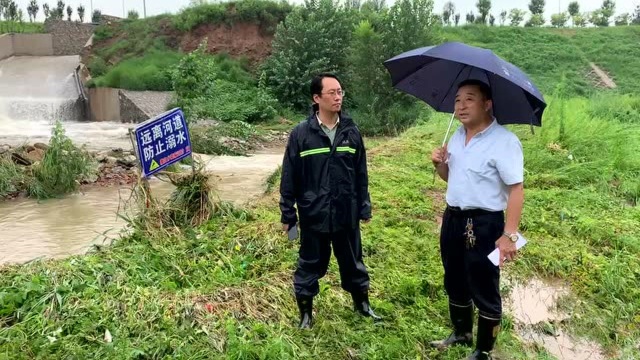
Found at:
<point>538,320</point>
<point>71,225</point>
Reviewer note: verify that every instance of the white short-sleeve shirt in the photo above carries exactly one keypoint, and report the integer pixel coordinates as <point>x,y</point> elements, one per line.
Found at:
<point>480,171</point>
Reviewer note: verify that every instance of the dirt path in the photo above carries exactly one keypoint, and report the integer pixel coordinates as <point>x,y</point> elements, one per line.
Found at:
<point>604,78</point>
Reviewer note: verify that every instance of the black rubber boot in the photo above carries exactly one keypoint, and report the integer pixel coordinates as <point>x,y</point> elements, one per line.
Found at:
<point>305,305</point>
<point>361,305</point>
<point>462,320</point>
<point>488,329</point>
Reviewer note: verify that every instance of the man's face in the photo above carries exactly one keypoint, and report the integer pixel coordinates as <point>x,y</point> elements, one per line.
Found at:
<point>471,107</point>
<point>330,100</point>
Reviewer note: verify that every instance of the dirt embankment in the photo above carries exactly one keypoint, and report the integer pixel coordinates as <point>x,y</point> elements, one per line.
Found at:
<point>237,40</point>
<point>240,39</point>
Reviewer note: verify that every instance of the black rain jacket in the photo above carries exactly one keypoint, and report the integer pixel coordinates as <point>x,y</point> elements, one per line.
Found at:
<point>328,183</point>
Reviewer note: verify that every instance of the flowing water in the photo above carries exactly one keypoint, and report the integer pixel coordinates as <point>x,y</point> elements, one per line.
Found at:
<point>39,88</point>
<point>35,91</point>
<point>71,225</point>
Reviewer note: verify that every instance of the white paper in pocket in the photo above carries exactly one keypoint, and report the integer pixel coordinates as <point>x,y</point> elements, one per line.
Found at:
<point>495,253</point>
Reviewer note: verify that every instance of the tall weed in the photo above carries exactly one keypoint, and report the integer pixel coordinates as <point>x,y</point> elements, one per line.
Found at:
<point>61,169</point>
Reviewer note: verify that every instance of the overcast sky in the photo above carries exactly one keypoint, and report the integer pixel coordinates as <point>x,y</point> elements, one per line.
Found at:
<point>155,7</point>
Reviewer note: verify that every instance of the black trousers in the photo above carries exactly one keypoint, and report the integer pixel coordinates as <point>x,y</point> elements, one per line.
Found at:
<point>468,274</point>
<point>314,256</point>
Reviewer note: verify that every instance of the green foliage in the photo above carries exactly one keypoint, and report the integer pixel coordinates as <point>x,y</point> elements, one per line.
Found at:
<point>21,27</point>
<point>378,108</point>
<point>223,289</point>
<point>62,168</point>
<point>312,39</point>
<point>267,13</point>
<point>216,88</point>
<point>222,139</point>
<point>149,72</point>
<point>11,176</point>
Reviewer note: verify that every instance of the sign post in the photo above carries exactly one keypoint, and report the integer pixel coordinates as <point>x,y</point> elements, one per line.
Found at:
<point>162,141</point>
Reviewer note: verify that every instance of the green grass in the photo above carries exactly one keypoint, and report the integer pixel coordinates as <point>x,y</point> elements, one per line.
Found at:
<point>265,13</point>
<point>24,27</point>
<point>149,72</point>
<point>547,54</point>
<point>222,290</point>
<point>11,176</point>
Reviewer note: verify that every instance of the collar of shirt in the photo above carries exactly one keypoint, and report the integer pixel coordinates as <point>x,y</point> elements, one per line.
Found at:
<point>323,125</point>
<point>484,132</point>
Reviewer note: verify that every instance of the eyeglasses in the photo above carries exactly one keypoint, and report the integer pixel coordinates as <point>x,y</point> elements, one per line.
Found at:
<point>333,93</point>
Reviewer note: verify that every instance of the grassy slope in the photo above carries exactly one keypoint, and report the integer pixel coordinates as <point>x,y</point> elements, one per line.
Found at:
<point>151,293</point>
<point>547,54</point>
<point>25,27</point>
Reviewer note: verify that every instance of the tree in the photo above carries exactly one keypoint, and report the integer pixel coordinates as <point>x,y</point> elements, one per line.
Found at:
<point>492,20</point>
<point>312,39</point>
<point>353,5</point>
<point>448,12</point>
<point>96,16</point>
<point>536,20</point>
<point>516,16</point>
<point>635,20</point>
<point>11,11</point>
<point>484,6</point>
<point>598,18</point>
<point>80,11</point>
<point>457,19</point>
<point>133,15</point>
<point>46,11</point>
<point>69,12</point>
<point>503,17</point>
<point>536,7</point>
<point>32,10</point>
<point>559,20</point>
<point>4,8</point>
<point>580,20</point>
<point>574,8</point>
<point>623,19</point>
<point>470,18</point>
<point>608,9</point>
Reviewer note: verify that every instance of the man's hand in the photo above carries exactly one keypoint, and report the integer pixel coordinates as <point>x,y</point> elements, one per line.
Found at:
<point>366,221</point>
<point>507,249</point>
<point>439,155</point>
<point>285,228</point>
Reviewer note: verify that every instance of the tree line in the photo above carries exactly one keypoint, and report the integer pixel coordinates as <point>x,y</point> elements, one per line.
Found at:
<point>601,17</point>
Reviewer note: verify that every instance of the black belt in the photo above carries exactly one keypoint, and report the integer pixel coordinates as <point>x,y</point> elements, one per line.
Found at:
<point>456,211</point>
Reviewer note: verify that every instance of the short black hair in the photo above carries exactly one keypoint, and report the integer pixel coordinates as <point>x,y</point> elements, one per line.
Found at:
<point>485,90</point>
<point>316,83</point>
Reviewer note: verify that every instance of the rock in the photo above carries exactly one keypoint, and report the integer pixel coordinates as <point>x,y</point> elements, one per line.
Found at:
<point>41,146</point>
<point>20,160</point>
<point>29,148</point>
<point>4,149</point>
<point>35,155</point>
<point>128,161</point>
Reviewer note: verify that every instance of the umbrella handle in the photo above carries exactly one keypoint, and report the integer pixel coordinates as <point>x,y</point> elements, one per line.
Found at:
<point>444,141</point>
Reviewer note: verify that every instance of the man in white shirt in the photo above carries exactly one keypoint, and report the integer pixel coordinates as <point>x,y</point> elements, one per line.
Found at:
<point>483,167</point>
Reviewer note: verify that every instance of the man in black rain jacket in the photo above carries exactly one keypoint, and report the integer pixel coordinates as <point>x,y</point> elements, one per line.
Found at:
<point>324,174</point>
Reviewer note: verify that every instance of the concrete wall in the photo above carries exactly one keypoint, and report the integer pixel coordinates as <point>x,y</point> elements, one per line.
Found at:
<point>104,104</point>
<point>6,46</point>
<point>130,111</point>
<point>25,45</point>
<point>32,44</point>
<point>69,37</point>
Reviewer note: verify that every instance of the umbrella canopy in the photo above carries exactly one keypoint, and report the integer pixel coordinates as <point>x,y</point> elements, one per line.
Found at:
<point>433,73</point>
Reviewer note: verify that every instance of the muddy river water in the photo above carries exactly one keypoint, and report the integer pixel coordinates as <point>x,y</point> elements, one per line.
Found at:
<point>71,225</point>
